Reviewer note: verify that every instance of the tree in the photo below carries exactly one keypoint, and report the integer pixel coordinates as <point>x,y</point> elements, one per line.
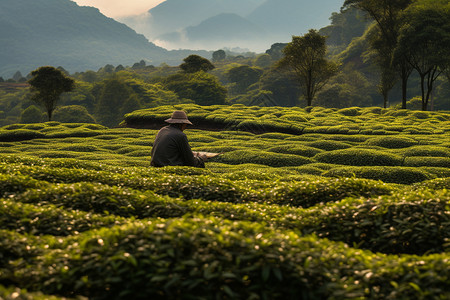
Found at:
<point>244,76</point>
<point>387,16</point>
<point>195,63</point>
<point>282,86</point>
<point>276,51</point>
<point>47,85</point>
<point>73,114</point>
<point>218,55</point>
<point>305,55</point>
<point>425,42</point>
<point>201,87</point>
<point>112,94</point>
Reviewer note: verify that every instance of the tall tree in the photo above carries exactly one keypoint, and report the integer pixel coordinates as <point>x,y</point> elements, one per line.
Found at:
<point>219,55</point>
<point>47,85</point>
<point>387,16</point>
<point>425,42</point>
<point>195,63</point>
<point>305,55</point>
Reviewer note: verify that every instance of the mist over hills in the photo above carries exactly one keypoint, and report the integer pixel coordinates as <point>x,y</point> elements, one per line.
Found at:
<point>61,33</point>
<point>176,24</point>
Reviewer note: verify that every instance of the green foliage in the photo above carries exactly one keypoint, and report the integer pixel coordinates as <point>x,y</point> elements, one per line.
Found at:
<point>195,63</point>
<point>305,55</point>
<point>47,85</point>
<point>357,214</point>
<point>263,157</point>
<point>392,142</point>
<point>73,114</point>
<point>401,175</point>
<point>359,157</point>
<point>31,115</point>
<point>200,87</point>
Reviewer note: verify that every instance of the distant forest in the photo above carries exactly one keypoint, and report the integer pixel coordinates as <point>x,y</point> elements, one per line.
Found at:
<point>367,75</point>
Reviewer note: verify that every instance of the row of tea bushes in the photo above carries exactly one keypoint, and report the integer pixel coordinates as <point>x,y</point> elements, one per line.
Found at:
<point>304,193</point>
<point>50,219</point>
<point>131,147</point>
<point>209,258</point>
<point>372,121</point>
<point>346,218</point>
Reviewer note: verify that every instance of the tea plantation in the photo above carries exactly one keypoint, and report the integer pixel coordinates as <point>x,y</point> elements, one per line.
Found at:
<point>302,204</point>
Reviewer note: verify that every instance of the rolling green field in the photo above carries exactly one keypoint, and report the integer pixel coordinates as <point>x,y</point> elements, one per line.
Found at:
<point>302,204</point>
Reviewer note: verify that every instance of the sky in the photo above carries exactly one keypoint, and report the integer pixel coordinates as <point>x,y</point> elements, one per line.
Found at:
<point>120,8</point>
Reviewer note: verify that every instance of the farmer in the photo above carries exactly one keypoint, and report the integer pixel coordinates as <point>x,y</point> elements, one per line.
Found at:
<point>171,147</point>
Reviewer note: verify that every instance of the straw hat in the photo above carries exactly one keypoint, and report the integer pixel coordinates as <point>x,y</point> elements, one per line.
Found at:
<point>179,117</point>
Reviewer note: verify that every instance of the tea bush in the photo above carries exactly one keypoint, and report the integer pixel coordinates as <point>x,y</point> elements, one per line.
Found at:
<point>51,220</point>
<point>359,157</point>
<point>414,223</point>
<point>13,135</point>
<point>401,175</point>
<point>211,258</point>
<point>418,161</point>
<point>426,150</point>
<point>310,193</point>
<point>262,157</point>
<point>328,145</point>
<point>103,224</point>
<point>392,142</point>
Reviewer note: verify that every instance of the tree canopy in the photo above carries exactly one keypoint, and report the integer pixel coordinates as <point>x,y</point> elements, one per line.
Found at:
<point>424,41</point>
<point>305,55</point>
<point>195,63</point>
<point>48,83</point>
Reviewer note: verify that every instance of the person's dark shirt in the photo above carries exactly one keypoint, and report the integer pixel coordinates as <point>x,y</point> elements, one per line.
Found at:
<point>171,148</point>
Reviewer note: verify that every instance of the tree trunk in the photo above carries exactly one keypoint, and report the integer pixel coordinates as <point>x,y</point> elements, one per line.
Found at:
<point>422,86</point>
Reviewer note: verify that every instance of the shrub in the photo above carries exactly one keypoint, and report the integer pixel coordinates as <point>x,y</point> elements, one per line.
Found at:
<point>15,135</point>
<point>262,157</point>
<point>203,258</point>
<point>359,157</point>
<point>73,114</point>
<point>310,193</point>
<point>418,161</point>
<point>434,184</point>
<point>425,150</point>
<point>295,149</point>
<point>328,145</point>
<point>96,198</point>
<point>351,111</point>
<point>26,218</point>
<point>12,184</point>
<point>392,142</point>
<point>402,175</point>
<point>32,115</point>
<point>415,223</point>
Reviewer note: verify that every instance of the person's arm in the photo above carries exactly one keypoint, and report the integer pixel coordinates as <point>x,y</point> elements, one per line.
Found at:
<point>188,155</point>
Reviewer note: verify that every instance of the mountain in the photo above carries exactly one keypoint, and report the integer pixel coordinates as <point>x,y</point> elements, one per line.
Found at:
<point>61,33</point>
<point>284,18</point>
<point>215,31</point>
<point>171,22</point>
<point>175,15</point>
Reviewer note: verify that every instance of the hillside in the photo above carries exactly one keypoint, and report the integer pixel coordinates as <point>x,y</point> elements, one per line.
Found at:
<point>61,33</point>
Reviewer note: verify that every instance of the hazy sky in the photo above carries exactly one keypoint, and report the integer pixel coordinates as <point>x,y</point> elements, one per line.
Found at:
<point>120,8</point>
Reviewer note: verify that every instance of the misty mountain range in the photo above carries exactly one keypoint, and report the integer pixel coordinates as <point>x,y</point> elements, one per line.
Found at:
<point>61,33</point>
<point>212,24</point>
